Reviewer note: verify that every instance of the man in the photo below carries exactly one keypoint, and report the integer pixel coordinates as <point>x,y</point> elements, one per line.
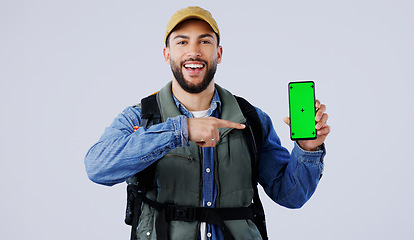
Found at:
<point>201,155</point>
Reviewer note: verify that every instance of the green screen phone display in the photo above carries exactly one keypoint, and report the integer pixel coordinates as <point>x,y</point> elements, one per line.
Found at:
<point>302,110</point>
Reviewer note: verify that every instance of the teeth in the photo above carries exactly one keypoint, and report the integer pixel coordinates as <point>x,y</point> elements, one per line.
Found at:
<point>193,65</point>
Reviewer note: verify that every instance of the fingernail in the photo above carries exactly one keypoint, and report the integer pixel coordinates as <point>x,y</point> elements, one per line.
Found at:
<point>243,126</point>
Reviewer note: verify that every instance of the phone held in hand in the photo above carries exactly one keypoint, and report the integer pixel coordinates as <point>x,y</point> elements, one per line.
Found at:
<point>302,110</point>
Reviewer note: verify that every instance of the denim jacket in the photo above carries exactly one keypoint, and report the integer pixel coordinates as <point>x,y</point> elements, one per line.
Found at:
<point>288,179</point>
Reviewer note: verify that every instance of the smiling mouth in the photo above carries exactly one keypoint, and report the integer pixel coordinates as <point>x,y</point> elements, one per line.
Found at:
<point>194,66</point>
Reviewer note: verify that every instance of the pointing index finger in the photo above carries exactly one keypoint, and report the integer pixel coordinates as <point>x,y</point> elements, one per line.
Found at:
<point>228,124</point>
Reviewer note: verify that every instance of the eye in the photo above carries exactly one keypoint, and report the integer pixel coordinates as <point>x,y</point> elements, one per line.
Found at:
<point>181,42</point>
<point>205,41</point>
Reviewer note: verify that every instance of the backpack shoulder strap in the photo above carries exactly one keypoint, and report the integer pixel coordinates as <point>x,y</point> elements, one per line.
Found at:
<point>254,137</point>
<point>254,126</point>
<point>150,115</point>
<point>150,111</point>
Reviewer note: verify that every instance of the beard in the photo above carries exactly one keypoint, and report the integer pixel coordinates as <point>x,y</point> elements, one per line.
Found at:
<point>191,87</point>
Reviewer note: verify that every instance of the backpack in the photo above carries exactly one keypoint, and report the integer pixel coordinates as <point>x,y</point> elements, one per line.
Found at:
<point>151,115</point>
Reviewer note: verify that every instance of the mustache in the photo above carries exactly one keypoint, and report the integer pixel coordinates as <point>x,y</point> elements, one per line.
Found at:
<point>194,60</point>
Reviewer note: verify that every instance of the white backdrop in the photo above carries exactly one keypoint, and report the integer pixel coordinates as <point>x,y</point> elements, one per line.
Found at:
<point>67,68</point>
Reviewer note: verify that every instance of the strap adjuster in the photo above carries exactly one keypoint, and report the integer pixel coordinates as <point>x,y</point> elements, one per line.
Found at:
<point>174,213</point>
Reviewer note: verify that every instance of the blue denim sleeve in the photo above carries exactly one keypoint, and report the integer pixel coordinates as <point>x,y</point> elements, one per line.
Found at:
<point>288,179</point>
<point>121,152</point>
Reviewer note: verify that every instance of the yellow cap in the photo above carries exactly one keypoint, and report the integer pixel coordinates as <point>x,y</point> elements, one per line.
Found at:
<point>189,13</point>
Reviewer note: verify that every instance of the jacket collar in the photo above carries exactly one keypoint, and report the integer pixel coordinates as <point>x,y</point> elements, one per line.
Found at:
<point>222,99</point>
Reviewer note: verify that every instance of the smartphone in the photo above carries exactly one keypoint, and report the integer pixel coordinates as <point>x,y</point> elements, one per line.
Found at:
<point>302,110</point>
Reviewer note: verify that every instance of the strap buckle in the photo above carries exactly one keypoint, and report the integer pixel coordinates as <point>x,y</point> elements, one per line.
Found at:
<point>174,213</point>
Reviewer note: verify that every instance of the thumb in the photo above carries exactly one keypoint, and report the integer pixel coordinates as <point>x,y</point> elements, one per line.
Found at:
<point>287,120</point>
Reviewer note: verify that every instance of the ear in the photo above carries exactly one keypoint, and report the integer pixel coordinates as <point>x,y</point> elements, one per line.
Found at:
<point>219,54</point>
<point>166,53</point>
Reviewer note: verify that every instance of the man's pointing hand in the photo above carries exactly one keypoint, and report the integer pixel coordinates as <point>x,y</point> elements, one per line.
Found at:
<point>205,131</point>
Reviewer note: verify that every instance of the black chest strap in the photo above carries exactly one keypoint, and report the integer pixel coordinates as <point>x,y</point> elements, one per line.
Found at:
<point>170,212</point>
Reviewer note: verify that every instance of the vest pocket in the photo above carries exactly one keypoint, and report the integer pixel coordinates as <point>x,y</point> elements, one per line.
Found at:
<point>189,158</point>
<point>178,179</point>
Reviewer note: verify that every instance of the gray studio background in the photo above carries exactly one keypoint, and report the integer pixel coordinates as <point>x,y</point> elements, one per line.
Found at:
<point>67,68</point>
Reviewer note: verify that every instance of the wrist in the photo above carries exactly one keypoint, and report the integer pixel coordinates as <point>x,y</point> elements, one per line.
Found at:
<point>309,148</point>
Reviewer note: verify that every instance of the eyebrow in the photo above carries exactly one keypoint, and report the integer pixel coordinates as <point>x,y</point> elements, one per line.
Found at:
<point>182,36</point>
<point>206,35</point>
<point>187,37</point>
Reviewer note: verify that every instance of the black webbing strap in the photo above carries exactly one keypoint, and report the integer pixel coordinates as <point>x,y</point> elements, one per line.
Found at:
<point>216,216</point>
<point>150,115</point>
<point>135,197</point>
<point>255,133</point>
<point>254,136</point>
<point>150,111</point>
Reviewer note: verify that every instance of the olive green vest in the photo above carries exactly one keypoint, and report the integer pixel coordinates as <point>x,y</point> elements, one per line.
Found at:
<point>178,175</point>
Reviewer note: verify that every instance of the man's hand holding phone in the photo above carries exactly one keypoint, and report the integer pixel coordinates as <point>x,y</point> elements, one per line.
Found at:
<point>322,128</point>
<point>307,119</point>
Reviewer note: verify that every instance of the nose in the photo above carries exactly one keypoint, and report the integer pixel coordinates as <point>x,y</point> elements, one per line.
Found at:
<point>193,50</point>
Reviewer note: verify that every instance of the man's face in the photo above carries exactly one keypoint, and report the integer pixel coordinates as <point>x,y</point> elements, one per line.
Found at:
<point>193,55</point>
